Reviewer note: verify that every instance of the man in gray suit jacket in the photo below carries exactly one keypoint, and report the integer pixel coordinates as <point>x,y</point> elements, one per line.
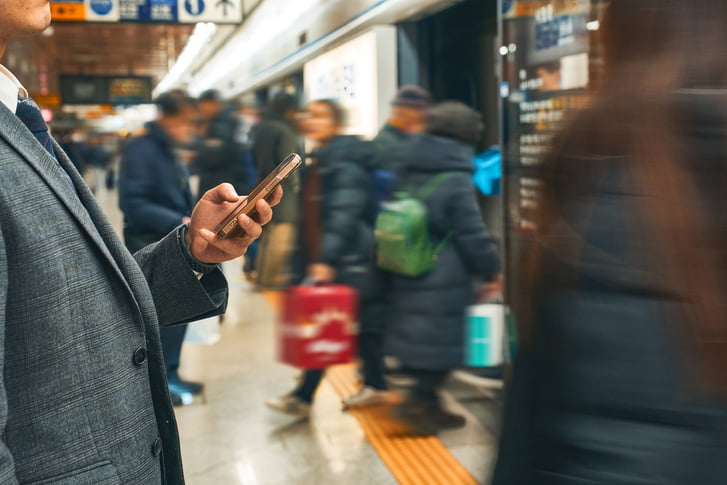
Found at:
<point>83,396</point>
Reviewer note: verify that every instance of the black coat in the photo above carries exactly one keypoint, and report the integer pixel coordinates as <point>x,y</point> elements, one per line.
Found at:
<point>427,327</point>
<point>220,158</point>
<point>154,192</point>
<point>347,213</point>
<point>390,143</point>
<point>605,395</point>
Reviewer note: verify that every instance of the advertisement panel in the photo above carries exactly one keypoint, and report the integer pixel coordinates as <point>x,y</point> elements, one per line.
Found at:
<point>360,74</point>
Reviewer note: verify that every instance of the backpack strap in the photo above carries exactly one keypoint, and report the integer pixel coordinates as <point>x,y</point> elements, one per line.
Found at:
<point>426,192</point>
<point>428,189</point>
<point>443,243</point>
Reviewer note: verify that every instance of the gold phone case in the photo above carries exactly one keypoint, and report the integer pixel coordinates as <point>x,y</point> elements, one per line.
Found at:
<point>229,226</point>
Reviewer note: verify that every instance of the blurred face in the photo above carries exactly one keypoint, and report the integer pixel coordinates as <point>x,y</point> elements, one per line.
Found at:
<point>209,109</point>
<point>182,126</point>
<point>319,123</point>
<point>19,18</point>
<point>408,120</point>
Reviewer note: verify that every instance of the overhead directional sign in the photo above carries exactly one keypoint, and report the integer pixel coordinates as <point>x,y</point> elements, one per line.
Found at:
<point>86,10</point>
<point>220,11</point>
<point>164,11</point>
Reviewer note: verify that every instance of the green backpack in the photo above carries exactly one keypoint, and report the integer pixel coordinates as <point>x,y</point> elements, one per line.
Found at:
<point>403,244</point>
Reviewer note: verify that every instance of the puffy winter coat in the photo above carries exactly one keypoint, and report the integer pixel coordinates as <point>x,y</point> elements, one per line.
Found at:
<point>427,321</point>
<point>347,211</point>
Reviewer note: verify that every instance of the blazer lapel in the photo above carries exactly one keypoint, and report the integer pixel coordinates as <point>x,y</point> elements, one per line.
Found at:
<point>17,135</point>
<point>109,240</point>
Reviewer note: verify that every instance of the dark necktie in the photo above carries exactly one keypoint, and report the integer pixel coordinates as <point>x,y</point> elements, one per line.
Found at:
<point>30,115</point>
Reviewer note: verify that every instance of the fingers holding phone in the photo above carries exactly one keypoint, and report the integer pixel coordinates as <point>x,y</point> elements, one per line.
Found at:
<point>268,189</point>
<point>202,240</point>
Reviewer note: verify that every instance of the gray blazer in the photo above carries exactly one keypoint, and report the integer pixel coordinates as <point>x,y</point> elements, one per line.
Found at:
<point>83,397</point>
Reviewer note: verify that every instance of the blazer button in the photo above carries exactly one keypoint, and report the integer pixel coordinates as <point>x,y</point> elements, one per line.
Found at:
<point>156,448</point>
<point>139,356</point>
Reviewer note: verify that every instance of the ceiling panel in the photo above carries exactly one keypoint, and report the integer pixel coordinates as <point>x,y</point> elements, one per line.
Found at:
<point>103,49</point>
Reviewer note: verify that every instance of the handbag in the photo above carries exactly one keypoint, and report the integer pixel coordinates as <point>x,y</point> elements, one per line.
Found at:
<point>318,326</point>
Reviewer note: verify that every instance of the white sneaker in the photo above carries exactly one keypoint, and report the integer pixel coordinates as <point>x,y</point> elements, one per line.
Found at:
<point>366,396</point>
<point>291,405</point>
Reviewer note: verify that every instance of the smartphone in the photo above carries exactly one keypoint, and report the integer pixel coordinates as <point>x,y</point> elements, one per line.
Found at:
<point>228,227</point>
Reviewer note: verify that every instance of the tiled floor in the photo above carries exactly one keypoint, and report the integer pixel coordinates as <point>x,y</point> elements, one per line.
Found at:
<point>231,437</point>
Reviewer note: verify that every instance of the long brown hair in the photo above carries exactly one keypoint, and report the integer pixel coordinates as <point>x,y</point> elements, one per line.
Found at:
<point>655,50</point>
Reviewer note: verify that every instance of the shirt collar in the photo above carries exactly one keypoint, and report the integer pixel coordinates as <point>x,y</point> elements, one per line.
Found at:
<point>10,89</point>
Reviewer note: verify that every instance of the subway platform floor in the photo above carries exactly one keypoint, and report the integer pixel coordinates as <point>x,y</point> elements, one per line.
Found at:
<point>229,436</point>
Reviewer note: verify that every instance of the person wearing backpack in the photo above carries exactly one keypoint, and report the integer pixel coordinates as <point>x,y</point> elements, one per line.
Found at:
<point>426,332</point>
<point>336,245</point>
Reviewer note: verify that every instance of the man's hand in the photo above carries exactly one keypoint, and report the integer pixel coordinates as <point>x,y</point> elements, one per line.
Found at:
<point>214,206</point>
<point>321,273</point>
<point>490,290</point>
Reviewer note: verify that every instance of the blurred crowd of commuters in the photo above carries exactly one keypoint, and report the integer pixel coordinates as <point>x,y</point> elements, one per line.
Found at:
<point>323,229</point>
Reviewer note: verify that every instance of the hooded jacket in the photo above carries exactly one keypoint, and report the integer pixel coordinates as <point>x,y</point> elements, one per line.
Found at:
<point>427,328</point>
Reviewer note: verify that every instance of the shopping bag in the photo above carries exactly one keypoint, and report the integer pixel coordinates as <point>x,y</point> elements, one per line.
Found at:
<point>203,332</point>
<point>318,326</point>
<point>486,335</point>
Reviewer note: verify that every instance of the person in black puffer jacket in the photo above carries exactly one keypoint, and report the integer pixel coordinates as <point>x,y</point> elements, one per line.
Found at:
<point>427,324</point>
<point>336,245</point>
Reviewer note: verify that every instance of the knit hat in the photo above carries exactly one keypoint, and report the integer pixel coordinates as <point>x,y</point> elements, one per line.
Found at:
<point>411,96</point>
<point>452,119</point>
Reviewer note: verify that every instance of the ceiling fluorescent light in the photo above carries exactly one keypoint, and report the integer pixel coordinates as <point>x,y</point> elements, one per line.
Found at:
<point>201,35</point>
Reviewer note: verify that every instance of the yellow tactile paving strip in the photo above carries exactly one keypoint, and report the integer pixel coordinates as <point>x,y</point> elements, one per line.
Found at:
<point>411,458</point>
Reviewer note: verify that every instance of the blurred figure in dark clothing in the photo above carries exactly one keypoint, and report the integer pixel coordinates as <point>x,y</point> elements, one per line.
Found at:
<point>97,162</point>
<point>219,159</point>
<point>74,145</point>
<point>407,117</point>
<point>336,244</point>
<point>428,312</point>
<point>155,197</point>
<point>621,376</point>
<point>274,138</point>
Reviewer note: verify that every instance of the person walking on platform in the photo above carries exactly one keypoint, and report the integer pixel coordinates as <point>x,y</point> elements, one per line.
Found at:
<point>83,395</point>
<point>621,369</point>
<point>428,312</point>
<point>336,243</point>
<point>407,118</point>
<point>155,197</point>
<point>274,138</point>
<point>219,158</point>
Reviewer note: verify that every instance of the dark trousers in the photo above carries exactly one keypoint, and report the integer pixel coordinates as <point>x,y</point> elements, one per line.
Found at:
<point>172,339</point>
<point>369,345</point>
<point>427,382</point>
<point>372,360</point>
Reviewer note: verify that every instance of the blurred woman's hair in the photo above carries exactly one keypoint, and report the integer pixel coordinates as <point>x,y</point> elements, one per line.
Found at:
<point>452,119</point>
<point>656,50</point>
<point>338,112</point>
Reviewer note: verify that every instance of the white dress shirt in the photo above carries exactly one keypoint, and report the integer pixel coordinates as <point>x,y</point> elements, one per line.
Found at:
<point>10,89</point>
